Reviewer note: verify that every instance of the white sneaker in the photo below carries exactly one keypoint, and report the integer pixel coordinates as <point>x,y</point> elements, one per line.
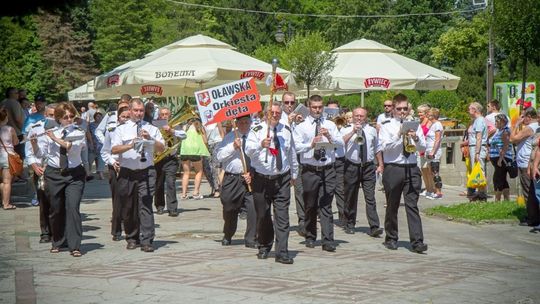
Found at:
<point>430,196</point>
<point>423,193</point>
<point>35,202</point>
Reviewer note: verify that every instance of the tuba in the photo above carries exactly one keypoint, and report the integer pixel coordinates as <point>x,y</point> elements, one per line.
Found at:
<point>182,115</point>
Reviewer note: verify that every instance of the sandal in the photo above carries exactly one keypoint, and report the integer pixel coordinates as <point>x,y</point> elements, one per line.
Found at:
<point>54,250</point>
<point>9,207</point>
<point>76,253</point>
<point>216,194</point>
<point>197,196</point>
<point>184,197</point>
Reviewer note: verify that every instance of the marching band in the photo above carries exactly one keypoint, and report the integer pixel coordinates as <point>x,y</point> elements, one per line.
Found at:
<point>322,157</point>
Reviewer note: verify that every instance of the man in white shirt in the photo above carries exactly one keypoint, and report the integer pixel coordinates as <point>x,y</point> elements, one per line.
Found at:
<point>235,190</point>
<point>361,143</point>
<point>385,117</point>
<point>318,172</point>
<point>271,150</point>
<point>401,176</point>
<point>137,175</point>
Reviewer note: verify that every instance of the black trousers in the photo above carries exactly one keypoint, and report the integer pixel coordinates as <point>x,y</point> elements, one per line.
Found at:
<point>44,208</point>
<point>319,188</point>
<point>366,176</point>
<point>406,180</point>
<point>340,186</point>
<point>136,192</point>
<point>116,221</point>
<point>166,183</point>
<point>234,195</point>
<point>276,193</point>
<point>299,198</point>
<point>533,209</point>
<point>65,193</point>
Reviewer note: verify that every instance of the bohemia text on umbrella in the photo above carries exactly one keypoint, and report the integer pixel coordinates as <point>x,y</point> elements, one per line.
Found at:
<point>228,101</point>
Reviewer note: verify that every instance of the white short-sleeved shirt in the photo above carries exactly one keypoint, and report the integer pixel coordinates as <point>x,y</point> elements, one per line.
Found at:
<point>430,139</point>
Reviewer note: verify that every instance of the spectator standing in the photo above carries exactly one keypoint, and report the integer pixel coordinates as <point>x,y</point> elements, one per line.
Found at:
<point>425,124</point>
<point>191,153</point>
<point>477,142</point>
<point>211,165</point>
<point>9,139</point>
<point>501,153</point>
<point>433,152</point>
<point>15,114</point>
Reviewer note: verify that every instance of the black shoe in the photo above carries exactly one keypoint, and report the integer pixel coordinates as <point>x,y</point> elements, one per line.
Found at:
<point>45,239</point>
<point>310,243</point>
<point>147,248</point>
<point>173,213</point>
<point>349,230</point>
<point>160,210</point>
<point>251,245</point>
<point>225,242</point>
<point>132,245</point>
<point>116,238</point>
<point>419,247</point>
<point>376,232</point>
<point>262,255</point>
<point>301,232</point>
<point>329,247</point>
<point>89,178</point>
<point>284,259</point>
<point>391,244</point>
<point>340,223</point>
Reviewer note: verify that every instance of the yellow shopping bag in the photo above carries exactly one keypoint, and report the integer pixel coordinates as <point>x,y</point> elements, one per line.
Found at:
<point>476,178</point>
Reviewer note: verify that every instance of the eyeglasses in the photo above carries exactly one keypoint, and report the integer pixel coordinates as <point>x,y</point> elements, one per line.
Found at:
<point>69,117</point>
<point>402,109</point>
<point>388,106</point>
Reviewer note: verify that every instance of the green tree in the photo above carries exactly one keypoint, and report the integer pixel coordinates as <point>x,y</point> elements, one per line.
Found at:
<point>309,59</point>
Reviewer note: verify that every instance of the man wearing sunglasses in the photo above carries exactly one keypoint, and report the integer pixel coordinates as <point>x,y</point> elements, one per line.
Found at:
<point>385,117</point>
<point>401,176</point>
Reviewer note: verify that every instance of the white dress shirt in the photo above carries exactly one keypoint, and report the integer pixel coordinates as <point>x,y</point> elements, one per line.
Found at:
<point>284,119</point>
<point>391,143</point>
<point>35,129</point>
<point>258,154</point>
<point>52,149</point>
<point>228,156</point>
<point>106,153</point>
<point>303,137</point>
<point>352,148</point>
<point>124,135</point>
<point>108,123</point>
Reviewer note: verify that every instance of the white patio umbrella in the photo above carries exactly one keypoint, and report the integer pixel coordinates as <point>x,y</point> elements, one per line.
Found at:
<point>363,65</point>
<point>84,92</point>
<point>183,67</point>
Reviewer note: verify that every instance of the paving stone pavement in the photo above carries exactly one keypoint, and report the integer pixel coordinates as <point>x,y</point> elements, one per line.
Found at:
<point>497,263</point>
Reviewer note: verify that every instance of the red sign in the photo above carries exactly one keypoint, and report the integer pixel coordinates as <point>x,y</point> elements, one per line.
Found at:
<point>112,80</point>
<point>252,73</point>
<point>151,89</point>
<point>377,82</point>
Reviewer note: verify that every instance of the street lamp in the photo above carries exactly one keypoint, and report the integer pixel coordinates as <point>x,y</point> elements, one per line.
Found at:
<point>283,24</point>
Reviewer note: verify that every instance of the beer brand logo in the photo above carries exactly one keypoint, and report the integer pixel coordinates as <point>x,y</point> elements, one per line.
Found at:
<point>204,99</point>
<point>252,73</point>
<point>151,89</point>
<point>112,80</point>
<point>377,82</point>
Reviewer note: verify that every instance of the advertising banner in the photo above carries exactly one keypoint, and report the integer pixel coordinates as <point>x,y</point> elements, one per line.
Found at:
<point>509,95</point>
<point>228,101</point>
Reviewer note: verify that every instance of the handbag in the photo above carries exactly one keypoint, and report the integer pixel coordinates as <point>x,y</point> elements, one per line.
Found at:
<point>15,162</point>
<point>511,166</point>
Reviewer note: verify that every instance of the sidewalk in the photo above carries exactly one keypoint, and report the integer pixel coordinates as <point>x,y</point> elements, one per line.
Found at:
<point>464,263</point>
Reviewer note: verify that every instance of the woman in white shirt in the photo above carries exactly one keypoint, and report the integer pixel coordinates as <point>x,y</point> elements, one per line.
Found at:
<point>433,152</point>
<point>65,177</point>
<point>9,140</point>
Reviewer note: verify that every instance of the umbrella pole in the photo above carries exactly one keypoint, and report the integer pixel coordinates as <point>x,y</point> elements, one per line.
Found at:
<point>362,98</point>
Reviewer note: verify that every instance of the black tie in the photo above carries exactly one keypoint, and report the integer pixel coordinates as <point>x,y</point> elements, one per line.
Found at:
<point>248,161</point>
<point>363,149</point>
<point>317,153</point>
<point>63,153</point>
<point>279,163</point>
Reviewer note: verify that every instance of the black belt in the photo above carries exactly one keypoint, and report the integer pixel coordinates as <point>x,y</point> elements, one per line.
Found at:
<point>130,171</point>
<point>361,165</point>
<point>67,170</point>
<point>271,177</point>
<point>233,174</point>
<point>317,168</point>
<point>401,165</point>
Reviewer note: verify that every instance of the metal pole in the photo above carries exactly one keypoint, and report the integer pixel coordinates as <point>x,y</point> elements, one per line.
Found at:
<point>490,61</point>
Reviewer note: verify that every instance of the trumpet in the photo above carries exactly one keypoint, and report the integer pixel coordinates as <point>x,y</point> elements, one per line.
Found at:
<point>408,142</point>
<point>360,140</point>
<point>340,121</point>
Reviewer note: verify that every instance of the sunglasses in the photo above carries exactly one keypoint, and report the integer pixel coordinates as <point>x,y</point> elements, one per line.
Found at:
<point>69,117</point>
<point>388,106</point>
<point>402,109</point>
<point>289,102</point>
